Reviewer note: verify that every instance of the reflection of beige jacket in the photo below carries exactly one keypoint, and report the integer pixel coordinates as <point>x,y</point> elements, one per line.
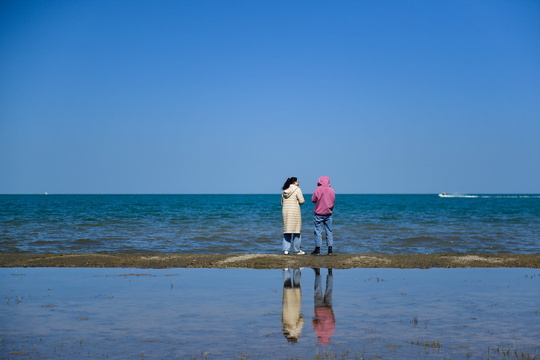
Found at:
<point>291,199</point>
<point>291,317</point>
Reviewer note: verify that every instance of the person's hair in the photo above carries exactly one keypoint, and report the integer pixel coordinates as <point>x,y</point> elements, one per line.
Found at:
<point>289,182</point>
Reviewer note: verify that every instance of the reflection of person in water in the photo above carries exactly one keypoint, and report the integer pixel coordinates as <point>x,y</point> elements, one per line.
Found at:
<point>291,316</point>
<point>324,322</point>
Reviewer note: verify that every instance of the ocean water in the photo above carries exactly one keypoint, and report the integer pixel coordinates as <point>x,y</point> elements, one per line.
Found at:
<point>206,224</point>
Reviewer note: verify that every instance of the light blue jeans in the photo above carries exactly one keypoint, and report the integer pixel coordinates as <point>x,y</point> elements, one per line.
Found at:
<point>292,278</point>
<point>318,298</point>
<point>325,221</point>
<point>294,240</point>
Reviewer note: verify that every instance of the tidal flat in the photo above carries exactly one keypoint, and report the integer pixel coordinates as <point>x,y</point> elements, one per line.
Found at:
<point>292,313</point>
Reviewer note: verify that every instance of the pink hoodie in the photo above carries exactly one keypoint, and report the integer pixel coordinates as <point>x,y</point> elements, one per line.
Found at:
<point>324,324</point>
<point>324,197</point>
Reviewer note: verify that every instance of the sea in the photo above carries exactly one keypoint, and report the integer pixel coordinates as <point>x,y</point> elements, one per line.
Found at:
<point>248,223</point>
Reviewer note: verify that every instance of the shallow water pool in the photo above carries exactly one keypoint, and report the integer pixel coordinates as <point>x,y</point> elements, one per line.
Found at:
<point>270,314</point>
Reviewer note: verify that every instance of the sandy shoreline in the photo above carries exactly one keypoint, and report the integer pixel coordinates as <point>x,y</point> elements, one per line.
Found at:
<point>271,261</point>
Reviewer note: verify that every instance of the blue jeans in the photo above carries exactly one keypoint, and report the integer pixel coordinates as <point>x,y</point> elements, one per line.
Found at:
<point>325,221</point>
<point>291,239</point>
<point>318,298</point>
<point>292,278</point>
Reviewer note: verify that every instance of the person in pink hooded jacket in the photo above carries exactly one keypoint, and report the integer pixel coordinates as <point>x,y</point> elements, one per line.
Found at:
<point>324,322</point>
<point>324,198</point>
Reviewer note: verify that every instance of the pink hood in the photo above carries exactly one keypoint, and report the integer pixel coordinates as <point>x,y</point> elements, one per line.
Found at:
<point>324,197</point>
<point>323,181</point>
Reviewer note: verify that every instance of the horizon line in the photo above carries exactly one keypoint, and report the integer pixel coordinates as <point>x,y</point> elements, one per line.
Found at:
<point>279,193</point>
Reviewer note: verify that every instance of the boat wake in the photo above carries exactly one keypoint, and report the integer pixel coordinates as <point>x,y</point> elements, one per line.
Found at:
<point>445,195</point>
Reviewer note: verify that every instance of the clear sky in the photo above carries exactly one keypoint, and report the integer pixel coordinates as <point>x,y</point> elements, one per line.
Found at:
<point>200,96</point>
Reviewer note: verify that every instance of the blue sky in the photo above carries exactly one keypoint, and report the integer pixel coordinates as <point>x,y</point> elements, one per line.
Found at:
<point>236,96</point>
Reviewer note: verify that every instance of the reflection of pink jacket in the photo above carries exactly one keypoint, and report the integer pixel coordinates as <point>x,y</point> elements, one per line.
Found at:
<point>324,324</point>
<point>324,197</point>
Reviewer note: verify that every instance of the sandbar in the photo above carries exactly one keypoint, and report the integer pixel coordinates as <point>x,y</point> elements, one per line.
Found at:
<point>270,261</point>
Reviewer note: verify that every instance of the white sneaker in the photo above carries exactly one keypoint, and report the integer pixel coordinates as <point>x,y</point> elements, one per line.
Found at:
<point>300,253</point>
<point>285,252</point>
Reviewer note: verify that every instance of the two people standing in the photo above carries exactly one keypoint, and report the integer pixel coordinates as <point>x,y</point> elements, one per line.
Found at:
<point>324,198</point>
<point>324,322</point>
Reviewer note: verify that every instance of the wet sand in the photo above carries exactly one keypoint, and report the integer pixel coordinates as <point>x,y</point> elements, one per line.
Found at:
<point>272,261</point>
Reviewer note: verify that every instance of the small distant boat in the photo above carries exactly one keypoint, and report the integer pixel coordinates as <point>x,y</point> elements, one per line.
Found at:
<point>445,195</point>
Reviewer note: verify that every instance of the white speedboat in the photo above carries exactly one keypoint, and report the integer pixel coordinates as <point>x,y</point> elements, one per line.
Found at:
<point>445,195</point>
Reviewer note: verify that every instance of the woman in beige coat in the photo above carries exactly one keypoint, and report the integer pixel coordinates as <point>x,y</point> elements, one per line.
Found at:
<point>291,312</point>
<point>291,199</point>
